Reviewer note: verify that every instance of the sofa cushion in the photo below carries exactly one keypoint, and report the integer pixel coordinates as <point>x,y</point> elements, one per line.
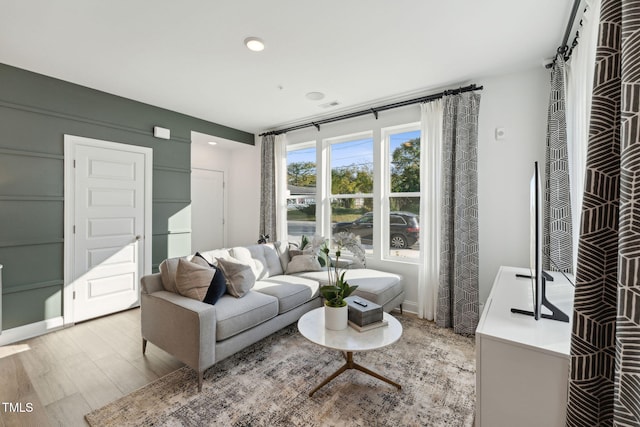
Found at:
<point>291,291</point>
<point>300,263</point>
<point>200,260</point>
<point>169,266</point>
<point>282,248</point>
<point>239,276</point>
<point>210,256</point>
<point>168,269</point>
<point>376,286</point>
<point>234,316</point>
<point>263,259</point>
<point>217,288</point>
<point>193,280</point>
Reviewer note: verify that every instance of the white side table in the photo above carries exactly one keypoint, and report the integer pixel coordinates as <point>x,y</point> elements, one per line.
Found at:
<point>349,341</point>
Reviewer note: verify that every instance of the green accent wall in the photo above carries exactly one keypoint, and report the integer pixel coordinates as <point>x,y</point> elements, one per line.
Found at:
<point>36,112</point>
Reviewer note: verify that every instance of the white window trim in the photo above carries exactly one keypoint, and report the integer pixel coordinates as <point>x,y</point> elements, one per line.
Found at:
<point>325,210</point>
<point>386,194</point>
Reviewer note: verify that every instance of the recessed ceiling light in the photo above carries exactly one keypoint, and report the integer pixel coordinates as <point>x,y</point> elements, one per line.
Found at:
<point>212,143</point>
<point>315,96</point>
<point>254,43</point>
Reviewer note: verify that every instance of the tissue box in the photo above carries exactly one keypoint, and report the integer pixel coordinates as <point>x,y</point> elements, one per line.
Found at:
<point>361,315</point>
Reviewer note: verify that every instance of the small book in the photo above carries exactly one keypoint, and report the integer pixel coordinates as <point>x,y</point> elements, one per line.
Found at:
<point>368,327</point>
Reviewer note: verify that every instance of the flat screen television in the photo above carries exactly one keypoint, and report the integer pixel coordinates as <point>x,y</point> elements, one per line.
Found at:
<point>537,275</point>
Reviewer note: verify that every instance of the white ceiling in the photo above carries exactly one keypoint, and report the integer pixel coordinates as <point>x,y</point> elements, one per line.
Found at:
<point>188,56</point>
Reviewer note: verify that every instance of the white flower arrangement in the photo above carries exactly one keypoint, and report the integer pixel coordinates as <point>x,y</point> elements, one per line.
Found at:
<point>338,288</point>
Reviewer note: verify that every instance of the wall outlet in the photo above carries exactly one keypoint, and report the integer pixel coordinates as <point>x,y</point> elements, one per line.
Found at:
<point>500,134</point>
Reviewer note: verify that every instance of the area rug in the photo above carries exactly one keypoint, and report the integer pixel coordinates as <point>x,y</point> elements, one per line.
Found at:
<point>268,384</point>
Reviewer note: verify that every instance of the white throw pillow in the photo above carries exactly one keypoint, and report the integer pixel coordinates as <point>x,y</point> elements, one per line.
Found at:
<point>240,277</point>
<point>300,263</point>
<point>193,280</point>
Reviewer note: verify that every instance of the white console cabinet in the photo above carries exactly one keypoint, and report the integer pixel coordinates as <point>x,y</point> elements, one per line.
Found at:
<point>522,365</point>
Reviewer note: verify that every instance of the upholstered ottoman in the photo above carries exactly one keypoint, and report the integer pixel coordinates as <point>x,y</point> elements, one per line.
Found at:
<point>383,288</point>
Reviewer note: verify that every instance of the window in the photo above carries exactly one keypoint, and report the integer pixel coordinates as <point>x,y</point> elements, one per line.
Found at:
<point>301,186</point>
<point>351,187</point>
<point>365,183</point>
<point>402,191</point>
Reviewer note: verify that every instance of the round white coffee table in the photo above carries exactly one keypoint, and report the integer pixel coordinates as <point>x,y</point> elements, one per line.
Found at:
<point>349,341</point>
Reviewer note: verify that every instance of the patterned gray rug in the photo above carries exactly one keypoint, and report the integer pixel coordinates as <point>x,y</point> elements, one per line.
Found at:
<point>268,384</point>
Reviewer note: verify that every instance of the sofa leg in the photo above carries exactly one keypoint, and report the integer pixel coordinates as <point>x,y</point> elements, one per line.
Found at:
<point>200,378</point>
<point>144,345</point>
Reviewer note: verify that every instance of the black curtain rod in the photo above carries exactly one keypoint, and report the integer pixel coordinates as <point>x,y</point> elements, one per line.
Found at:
<point>375,110</point>
<point>564,48</point>
<point>572,18</point>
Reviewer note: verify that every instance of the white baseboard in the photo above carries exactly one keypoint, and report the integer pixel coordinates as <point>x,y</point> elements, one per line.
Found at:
<point>409,307</point>
<point>9,336</point>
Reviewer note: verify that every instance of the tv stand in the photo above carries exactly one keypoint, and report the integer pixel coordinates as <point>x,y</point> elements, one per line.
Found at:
<point>522,365</point>
<point>556,313</point>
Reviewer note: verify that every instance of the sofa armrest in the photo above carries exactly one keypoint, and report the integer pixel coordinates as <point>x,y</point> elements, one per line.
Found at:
<point>183,327</point>
<point>151,283</point>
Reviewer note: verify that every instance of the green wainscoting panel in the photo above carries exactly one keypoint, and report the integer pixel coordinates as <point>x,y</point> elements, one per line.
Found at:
<point>36,112</point>
<point>173,245</point>
<point>28,131</point>
<point>30,175</point>
<point>31,265</point>
<point>43,303</point>
<point>171,217</point>
<point>30,221</point>
<point>171,185</point>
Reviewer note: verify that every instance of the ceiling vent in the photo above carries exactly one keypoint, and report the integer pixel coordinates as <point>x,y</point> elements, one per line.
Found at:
<point>330,104</point>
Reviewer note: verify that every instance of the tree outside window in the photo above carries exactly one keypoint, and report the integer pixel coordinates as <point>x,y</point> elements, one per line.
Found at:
<point>403,195</point>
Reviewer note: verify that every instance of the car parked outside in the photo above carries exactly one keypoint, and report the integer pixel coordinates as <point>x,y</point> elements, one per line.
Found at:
<point>404,229</point>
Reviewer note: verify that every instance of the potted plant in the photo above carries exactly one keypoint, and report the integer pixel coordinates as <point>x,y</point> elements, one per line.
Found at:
<point>336,310</point>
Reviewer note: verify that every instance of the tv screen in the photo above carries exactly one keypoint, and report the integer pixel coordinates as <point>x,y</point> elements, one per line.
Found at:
<point>535,255</point>
<point>537,276</point>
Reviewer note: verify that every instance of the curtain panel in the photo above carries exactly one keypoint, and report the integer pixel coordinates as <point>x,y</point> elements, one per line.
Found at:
<point>558,238</point>
<point>268,187</point>
<point>280,158</point>
<point>580,70</point>
<point>459,269</point>
<point>604,383</point>
<point>430,183</point>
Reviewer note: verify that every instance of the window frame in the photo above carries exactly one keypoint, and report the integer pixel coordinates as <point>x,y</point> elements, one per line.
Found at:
<point>295,147</point>
<point>386,193</point>
<point>327,143</point>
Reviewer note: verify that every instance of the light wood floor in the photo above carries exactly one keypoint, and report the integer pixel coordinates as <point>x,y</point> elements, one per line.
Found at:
<point>70,372</point>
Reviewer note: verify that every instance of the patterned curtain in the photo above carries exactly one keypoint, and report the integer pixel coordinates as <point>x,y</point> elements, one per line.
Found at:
<point>268,187</point>
<point>558,244</point>
<point>458,288</point>
<point>604,383</point>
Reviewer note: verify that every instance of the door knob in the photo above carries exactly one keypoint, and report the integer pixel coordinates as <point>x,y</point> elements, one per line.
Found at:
<point>138,237</point>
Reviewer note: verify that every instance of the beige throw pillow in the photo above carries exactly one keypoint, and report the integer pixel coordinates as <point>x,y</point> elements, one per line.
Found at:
<point>240,277</point>
<point>193,280</point>
<point>300,263</point>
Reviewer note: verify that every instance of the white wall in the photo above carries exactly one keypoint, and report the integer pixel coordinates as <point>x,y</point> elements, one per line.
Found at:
<point>240,164</point>
<point>244,196</point>
<point>516,102</point>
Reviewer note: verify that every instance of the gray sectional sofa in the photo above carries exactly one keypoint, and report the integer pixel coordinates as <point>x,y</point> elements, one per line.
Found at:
<point>200,334</point>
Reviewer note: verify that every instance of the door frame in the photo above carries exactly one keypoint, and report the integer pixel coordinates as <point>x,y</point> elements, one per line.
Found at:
<point>70,143</point>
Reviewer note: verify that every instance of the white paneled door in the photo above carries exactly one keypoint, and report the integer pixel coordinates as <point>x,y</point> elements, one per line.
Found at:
<point>108,226</point>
